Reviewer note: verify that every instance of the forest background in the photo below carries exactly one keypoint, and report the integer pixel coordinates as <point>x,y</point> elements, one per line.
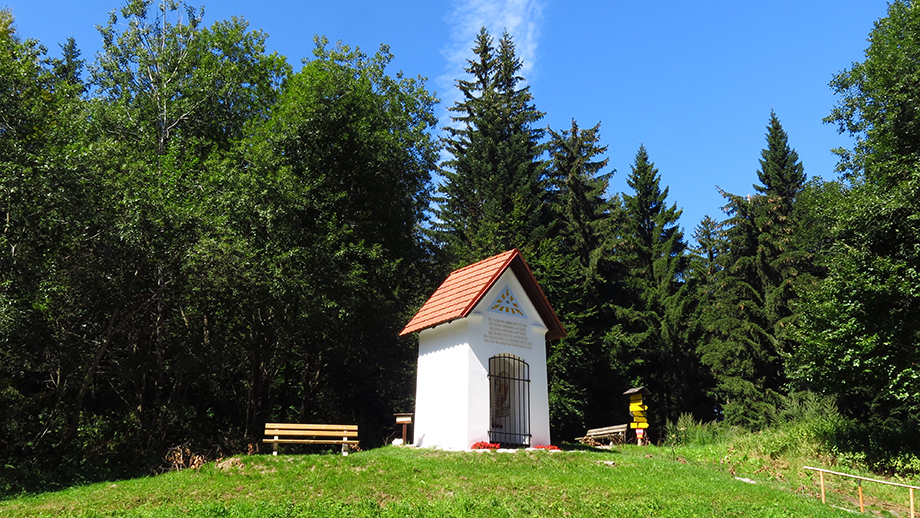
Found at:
<point>196,239</point>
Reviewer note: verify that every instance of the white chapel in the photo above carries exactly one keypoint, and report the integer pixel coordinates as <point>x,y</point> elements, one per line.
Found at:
<point>482,358</point>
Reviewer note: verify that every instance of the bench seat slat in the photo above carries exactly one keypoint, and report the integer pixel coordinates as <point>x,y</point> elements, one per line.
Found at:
<point>309,441</point>
<point>608,432</point>
<point>311,433</point>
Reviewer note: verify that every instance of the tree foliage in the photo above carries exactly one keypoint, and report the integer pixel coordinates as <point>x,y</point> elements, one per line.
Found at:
<point>749,320</point>
<point>491,198</point>
<point>166,76</point>
<point>195,240</point>
<point>582,228</point>
<point>878,104</point>
<point>206,242</point>
<point>48,202</point>
<point>861,324</point>
<point>649,339</point>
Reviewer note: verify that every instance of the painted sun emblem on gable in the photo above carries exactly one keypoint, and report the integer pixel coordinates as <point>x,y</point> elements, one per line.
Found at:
<point>505,303</point>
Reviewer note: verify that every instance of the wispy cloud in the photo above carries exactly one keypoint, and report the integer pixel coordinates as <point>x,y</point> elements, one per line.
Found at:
<point>521,18</point>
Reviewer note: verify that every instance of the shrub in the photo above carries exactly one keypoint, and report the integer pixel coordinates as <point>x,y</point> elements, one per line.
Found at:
<point>688,431</point>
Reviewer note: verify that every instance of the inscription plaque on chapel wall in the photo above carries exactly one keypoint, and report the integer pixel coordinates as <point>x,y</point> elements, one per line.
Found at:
<point>503,332</point>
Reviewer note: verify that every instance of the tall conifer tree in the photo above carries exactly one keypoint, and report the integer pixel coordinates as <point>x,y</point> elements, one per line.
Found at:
<point>703,279</point>
<point>749,329</point>
<point>783,178</point>
<point>736,345</point>
<point>583,230</point>
<point>491,199</point>
<point>583,214</point>
<point>650,334</point>
<point>704,258</point>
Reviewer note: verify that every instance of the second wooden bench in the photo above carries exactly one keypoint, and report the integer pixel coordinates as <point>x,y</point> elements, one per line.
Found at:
<point>290,433</point>
<point>616,433</point>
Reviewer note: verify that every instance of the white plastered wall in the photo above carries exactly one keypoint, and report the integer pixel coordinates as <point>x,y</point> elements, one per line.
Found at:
<point>442,388</point>
<point>452,398</point>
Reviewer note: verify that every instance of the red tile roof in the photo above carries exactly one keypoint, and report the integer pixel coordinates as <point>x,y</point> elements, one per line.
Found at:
<point>464,288</point>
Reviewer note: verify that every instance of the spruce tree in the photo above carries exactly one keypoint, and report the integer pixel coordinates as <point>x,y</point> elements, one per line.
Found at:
<point>491,198</point>
<point>649,338</point>
<point>583,230</point>
<point>704,269</point>
<point>704,257</point>
<point>737,343</point>
<point>704,272</point>
<point>583,214</point>
<point>749,331</point>
<point>781,172</point>
<point>783,178</point>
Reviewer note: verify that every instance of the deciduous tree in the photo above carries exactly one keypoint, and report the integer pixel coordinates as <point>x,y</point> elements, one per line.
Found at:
<point>860,329</point>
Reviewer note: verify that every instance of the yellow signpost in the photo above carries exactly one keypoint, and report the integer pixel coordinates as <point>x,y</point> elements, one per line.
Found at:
<point>638,409</point>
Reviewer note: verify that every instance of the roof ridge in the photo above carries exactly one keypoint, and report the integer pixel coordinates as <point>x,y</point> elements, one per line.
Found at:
<point>477,263</point>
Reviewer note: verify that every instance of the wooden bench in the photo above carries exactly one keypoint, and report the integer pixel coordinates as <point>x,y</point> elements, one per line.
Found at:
<point>614,434</point>
<point>287,433</point>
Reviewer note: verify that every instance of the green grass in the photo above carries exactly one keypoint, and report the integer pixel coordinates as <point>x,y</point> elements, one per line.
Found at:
<point>779,454</point>
<point>393,481</point>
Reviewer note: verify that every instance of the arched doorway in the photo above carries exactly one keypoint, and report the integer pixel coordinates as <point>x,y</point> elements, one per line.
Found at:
<point>509,394</point>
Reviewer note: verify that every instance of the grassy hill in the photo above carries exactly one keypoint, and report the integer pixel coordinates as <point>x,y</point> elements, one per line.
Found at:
<point>393,481</point>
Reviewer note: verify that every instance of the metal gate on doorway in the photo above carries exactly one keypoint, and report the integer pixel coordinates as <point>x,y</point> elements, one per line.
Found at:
<point>509,393</point>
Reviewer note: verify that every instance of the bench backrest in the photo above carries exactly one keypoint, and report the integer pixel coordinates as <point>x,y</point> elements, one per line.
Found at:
<point>620,428</point>
<point>311,430</point>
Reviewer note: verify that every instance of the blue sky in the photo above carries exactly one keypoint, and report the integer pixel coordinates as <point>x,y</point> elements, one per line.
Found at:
<point>693,81</point>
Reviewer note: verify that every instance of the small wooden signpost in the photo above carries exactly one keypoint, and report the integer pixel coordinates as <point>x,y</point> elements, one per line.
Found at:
<point>404,419</point>
<point>638,409</point>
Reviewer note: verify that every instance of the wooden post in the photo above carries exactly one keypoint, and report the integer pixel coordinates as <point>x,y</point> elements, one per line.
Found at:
<point>862,508</point>
<point>404,419</point>
<point>823,500</point>
<point>911,502</point>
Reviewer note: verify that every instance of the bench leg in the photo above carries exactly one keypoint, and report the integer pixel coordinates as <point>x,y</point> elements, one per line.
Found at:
<point>275,447</point>
<point>345,447</point>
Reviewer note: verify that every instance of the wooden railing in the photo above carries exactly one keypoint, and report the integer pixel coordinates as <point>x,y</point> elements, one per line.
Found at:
<point>859,480</point>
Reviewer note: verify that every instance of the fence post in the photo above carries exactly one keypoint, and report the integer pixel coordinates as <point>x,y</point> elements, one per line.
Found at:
<point>862,508</point>
<point>823,500</point>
